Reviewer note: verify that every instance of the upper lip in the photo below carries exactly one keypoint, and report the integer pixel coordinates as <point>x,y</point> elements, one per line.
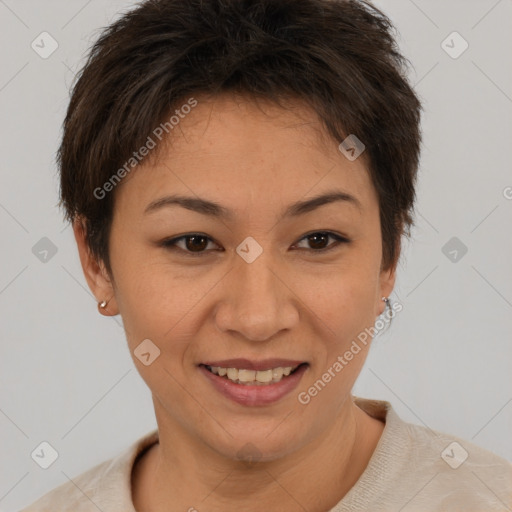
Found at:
<point>247,364</point>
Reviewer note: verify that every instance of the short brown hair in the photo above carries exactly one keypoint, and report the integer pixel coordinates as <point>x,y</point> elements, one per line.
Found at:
<point>338,56</point>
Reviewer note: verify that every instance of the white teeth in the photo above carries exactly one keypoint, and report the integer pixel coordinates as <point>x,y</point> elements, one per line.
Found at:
<point>264,376</point>
<point>253,377</point>
<point>246,375</point>
<point>232,373</point>
<point>277,373</point>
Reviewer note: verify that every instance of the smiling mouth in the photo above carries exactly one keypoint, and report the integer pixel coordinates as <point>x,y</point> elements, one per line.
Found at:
<point>254,377</point>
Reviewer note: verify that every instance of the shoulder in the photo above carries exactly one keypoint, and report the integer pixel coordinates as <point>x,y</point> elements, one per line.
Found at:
<point>417,468</point>
<point>78,494</point>
<point>449,472</point>
<point>106,486</point>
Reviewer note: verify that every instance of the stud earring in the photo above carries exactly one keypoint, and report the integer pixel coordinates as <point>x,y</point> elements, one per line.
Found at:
<point>388,303</point>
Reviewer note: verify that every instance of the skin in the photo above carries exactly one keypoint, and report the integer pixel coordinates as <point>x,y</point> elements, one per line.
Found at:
<point>291,302</point>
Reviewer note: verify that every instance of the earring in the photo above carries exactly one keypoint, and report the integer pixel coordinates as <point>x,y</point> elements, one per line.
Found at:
<point>386,300</point>
<point>102,304</point>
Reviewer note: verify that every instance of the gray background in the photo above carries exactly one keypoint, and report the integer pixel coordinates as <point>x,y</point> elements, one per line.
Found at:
<point>66,374</point>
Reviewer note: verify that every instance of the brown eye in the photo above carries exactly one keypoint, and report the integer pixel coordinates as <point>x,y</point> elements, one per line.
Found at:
<point>318,241</point>
<point>194,244</point>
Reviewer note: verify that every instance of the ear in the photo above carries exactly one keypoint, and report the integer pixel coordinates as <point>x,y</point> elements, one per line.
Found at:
<point>95,273</point>
<point>386,285</point>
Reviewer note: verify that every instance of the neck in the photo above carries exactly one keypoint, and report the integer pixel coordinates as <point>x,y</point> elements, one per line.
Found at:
<point>180,473</point>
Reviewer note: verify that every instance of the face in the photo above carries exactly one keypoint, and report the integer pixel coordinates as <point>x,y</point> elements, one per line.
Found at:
<point>254,279</point>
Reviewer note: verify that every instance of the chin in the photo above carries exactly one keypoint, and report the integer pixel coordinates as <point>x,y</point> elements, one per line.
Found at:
<point>268,444</point>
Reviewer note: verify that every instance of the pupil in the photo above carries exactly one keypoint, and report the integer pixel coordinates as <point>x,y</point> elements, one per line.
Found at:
<point>194,239</point>
<point>313,239</point>
<point>316,241</point>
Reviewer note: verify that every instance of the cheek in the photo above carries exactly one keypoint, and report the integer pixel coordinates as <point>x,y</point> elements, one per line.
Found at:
<point>343,301</point>
<point>157,304</point>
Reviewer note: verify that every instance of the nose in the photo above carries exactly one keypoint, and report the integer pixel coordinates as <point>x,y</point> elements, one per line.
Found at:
<point>257,301</point>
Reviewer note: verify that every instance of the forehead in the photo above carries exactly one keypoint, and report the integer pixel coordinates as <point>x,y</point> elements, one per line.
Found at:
<point>244,154</point>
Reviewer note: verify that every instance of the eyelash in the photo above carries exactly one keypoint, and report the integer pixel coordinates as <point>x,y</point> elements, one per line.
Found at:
<point>170,244</point>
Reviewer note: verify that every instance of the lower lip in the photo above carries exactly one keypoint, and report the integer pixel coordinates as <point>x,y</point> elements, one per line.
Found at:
<point>246,394</point>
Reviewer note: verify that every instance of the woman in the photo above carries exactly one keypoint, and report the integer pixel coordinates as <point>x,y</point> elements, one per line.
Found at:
<point>239,176</point>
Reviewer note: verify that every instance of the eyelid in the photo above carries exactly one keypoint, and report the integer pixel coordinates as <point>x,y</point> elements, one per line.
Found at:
<point>170,243</point>
<point>340,239</point>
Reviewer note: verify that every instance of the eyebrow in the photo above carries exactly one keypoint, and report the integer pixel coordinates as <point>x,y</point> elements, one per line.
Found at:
<point>213,209</point>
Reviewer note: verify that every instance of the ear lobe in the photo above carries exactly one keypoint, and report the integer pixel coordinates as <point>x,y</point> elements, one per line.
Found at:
<point>386,285</point>
<point>95,273</point>
<point>388,277</point>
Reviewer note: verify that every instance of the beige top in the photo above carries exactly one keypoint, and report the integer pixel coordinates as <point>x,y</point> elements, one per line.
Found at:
<point>413,469</point>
